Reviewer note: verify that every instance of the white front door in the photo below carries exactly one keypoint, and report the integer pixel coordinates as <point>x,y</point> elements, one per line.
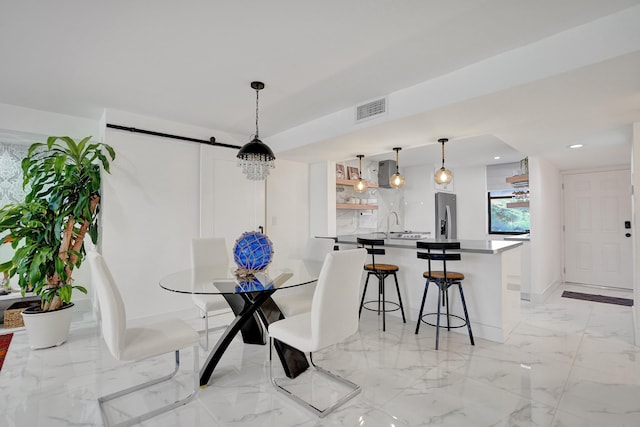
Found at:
<point>598,246</point>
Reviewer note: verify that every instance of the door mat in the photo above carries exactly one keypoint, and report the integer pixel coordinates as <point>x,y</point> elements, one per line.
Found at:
<point>5,340</point>
<point>598,298</point>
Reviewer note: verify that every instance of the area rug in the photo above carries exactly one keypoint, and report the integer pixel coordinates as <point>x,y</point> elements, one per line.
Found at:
<point>598,298</point>
<point>5,340</point>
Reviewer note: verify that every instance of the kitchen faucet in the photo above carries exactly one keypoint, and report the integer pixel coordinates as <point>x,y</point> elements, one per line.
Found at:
<point>389,217</point>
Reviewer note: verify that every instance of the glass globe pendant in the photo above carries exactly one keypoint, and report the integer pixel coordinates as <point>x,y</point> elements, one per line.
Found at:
<point>396,180</point>
<point>443,176</point>
<point>360,186</point>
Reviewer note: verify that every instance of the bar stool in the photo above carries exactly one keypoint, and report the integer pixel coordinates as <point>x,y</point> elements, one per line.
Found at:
<point>381,271</point>
<point>443,279</point>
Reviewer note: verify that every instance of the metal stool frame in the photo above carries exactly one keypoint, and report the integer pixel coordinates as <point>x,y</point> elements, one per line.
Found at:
<point>443,285</point>
<point>381,275</point>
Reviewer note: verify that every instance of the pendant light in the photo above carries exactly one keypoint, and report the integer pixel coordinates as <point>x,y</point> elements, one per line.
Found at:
<point>360,185</point>
<point>255,157</point>
<point>443,175</point>
<point>396,180</point>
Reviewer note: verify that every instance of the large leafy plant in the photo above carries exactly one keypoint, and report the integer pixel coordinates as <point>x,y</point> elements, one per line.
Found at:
<point>47,230</point>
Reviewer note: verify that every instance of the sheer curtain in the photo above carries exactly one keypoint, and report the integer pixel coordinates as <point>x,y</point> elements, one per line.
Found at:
<point>11,191</point>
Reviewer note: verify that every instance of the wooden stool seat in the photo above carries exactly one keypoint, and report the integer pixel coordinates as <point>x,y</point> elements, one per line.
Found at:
<point>381,267</point>
<point>451,275</point>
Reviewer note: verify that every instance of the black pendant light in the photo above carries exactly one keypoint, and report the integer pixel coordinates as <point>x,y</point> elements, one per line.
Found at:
<point>255,157</point>
<point>443,176</point>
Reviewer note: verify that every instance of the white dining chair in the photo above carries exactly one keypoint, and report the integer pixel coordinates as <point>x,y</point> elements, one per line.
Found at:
<point>332,319</point>
<point>135,344</point>
<point>209,259</point>
<point>298,299</point>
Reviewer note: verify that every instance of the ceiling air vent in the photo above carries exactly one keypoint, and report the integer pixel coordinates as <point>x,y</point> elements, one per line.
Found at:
<point>371,109</point>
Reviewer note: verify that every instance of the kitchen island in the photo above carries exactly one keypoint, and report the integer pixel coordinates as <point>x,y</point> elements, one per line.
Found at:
<point>492,270</point>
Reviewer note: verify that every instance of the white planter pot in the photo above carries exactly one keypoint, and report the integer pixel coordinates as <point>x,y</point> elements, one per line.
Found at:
<point>48,329</point>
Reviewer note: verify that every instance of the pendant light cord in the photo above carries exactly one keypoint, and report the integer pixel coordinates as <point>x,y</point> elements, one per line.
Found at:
<point>257,97</point>
<point>442,154</point>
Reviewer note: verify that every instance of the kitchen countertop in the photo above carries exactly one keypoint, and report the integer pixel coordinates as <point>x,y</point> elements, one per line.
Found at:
<point>475,246</point>
<point>519,237</point>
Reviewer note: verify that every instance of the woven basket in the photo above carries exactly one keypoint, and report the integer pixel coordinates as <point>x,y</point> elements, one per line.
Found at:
<point>13,314</point>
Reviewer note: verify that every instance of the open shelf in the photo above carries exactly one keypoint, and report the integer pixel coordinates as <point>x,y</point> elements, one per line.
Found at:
<point>518,205</point>
<point>517,179</point>
<point>355,206</point>
<point>350,182</point>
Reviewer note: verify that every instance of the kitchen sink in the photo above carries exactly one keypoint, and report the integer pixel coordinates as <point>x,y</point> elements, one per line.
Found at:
<point>409,235</point>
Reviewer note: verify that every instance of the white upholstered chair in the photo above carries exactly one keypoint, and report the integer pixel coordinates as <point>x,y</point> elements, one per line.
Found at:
<point>298,300</point>
<point>209,259</point>
<point>134,344</point>
<point>332,319</point>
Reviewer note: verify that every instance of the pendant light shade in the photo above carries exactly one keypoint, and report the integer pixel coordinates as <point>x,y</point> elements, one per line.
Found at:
<point>360,186</point>
<point>443,175</point>
<point>256,158</point>
<point>396,180</point>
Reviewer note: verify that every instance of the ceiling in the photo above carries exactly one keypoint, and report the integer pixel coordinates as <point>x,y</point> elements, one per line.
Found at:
<point>498,77</point>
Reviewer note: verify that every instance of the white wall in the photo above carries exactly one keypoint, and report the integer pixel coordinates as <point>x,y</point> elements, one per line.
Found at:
<point>545,185</point>
<point>162,193</point>
<point>322,199</point>
<point>150,212</point>
<point>288,207</point>
<point>471,196</point>
<point>419,199</point>
<point>19,119</point>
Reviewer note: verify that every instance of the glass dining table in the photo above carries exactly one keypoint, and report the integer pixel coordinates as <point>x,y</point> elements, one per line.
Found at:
<point>250,299</point>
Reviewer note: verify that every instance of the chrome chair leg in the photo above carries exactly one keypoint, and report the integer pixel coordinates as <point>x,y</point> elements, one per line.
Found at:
<point>355,389</point>
<point>138,419</point>
<point>205,316</point>
<point>206,331</point>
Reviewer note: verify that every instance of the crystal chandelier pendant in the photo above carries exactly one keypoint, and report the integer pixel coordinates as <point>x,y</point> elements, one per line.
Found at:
<point>256,158</point>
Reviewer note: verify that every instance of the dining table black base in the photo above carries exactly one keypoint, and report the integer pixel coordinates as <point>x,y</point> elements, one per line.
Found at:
<point>246,306</point>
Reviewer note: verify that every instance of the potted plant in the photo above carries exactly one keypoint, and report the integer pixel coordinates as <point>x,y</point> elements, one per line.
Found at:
<point>47,230</point>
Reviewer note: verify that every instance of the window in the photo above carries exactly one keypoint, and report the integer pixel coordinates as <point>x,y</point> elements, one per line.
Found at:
<point>505,220</point>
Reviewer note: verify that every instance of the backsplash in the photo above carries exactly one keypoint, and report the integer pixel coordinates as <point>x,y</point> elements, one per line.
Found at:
<point>354,221</point>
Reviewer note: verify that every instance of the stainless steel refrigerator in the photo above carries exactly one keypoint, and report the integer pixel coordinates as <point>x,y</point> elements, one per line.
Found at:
<point>446,216</point>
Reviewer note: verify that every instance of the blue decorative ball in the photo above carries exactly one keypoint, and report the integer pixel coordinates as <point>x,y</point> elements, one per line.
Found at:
<point>252,252</point>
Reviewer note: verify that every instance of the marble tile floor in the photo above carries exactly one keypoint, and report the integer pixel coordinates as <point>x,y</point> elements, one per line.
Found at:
<point>568,363</point>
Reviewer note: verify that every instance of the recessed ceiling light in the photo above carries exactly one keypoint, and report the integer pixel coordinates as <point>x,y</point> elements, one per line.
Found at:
<point>496,158</point>
<point>576,146</point>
